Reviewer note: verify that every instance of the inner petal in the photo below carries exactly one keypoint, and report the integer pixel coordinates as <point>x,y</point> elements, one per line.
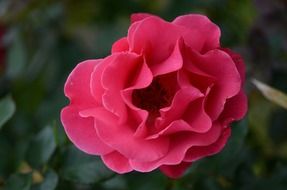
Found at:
<point>157,95</point>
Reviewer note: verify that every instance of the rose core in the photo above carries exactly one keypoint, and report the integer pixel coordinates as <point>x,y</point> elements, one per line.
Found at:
<point>152,98</point>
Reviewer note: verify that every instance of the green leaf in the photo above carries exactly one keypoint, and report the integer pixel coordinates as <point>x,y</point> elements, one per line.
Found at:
<point>41,147</point>
<point>50,181</point>
<point>271,94</point>
<point>7,109</point>
<point>19,182</point>
<point>80,167</point>
<point>152,181</point>
<point>17,56</point>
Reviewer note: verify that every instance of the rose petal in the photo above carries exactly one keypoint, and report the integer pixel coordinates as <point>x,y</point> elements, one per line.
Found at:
<point>178,147</point>
<point>235,108</point>
<point>175,127</point>
<point>173,63</point>
<point>208,31</point>
<point>179,104</point>
<point>197,118</point>
<point>122,139</point>
<point>116,77</point>
<point>198,152</point>
<point>238,62</point>
<point>219,64</point>
<point>156,38</point>
<point>96,86</point>
<point>142,79</point>
<point>175,171</point>
<point>197,79</point>
<point>120,45</point>
<point>117,162</point>
<point>139,16</point>
<point>77,85</point>
<point>82,133</point>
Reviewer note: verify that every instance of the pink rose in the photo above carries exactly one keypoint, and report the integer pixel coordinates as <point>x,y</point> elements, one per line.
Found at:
<point>163,99</point>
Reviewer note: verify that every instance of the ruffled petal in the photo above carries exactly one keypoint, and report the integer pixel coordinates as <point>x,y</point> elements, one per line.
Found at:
<point>218,64</point>
<point>238,62</point>
<point>120,45</point>
<point>175,171</point>
<point>179,145</point>
<point>197,118</point>
<point>115,77</point>
<point>156,38</point>
<point>77,86</point>
<point>82,133</point>
<point>209,32</point>
<point>117,162</point>
<point>122,139</point>
<point>198,152</point>
<point>173,63</point>
<point>235,108</point>
<point>139,16</point>
<point>179,104</point>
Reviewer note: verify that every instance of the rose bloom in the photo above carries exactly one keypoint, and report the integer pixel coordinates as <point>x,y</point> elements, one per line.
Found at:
<point>164,98</point>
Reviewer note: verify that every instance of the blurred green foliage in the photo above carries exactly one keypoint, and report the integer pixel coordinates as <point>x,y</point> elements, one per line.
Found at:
<point>45,39</point>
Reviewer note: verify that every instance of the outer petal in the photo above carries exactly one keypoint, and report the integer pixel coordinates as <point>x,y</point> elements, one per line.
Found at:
<point>235,108</point>
<point>175,171</point>
<point>238,62</point>
<point>78,84</point>
<point>139,16</point>
<point>219,65</point>
<point>117,162</point>
<point>209,31</point>
<point>156,38</point>
<point>121,45</point>
<point>115,77</point>
<point>82,133</point>
<point>178,148</point>
<point>121,137</point>
<point>197,152</point>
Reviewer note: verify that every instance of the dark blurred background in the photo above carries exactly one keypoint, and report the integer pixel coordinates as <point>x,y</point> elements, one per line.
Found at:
<point>41,41</point>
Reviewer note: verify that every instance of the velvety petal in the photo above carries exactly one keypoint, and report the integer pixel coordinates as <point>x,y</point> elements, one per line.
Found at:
<point>175,127</point>
<point>175,171</point>
<point>82,133</point>
<point>139,16</point>
<point>156,38</point>
<point>197,79</point>
<point>238,62</point>
<point>198,152</point>
<point>173,63</point>
<point>120,45</point>
<point>178,147</point>
<point>197,118</point>
<point>235,108</point>
<point>96,86</point>
<point>77,85</point>
<point>116,77</point>
<point>209,31</point>
<point>117,162</point>
<point>122,139</point>
<point>219,64</point>
<point>179,104</point>
<point>142,78</point>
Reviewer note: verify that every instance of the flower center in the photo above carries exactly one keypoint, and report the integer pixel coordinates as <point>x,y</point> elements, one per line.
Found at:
<point>152,98</point>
